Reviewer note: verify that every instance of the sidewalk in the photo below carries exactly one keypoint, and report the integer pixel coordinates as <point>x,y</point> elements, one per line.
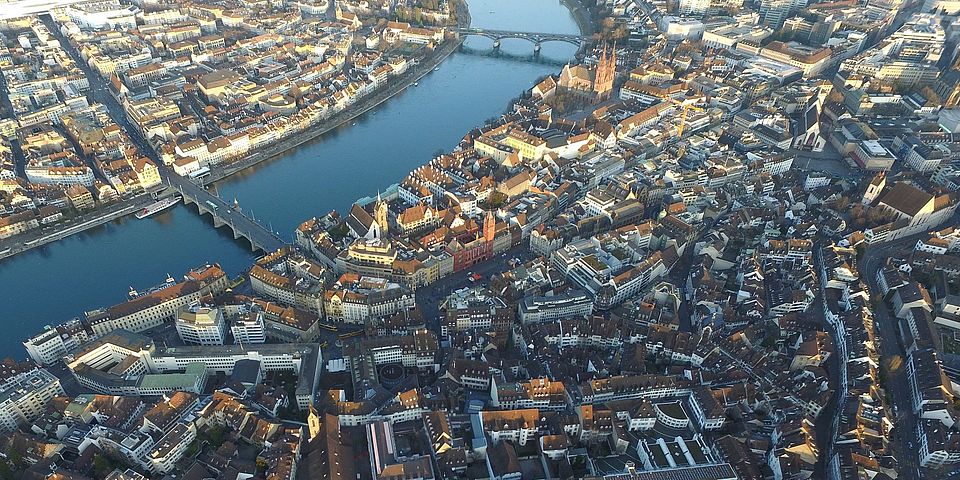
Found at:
<point>43,235</point>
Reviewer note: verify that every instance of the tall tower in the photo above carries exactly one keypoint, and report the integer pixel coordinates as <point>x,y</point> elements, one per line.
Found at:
<point>874,188</point>
<point>598,77</point>
<point>380,216</point>
<point>314,423</point>
<point>489,226</point>
<point>606,71</point>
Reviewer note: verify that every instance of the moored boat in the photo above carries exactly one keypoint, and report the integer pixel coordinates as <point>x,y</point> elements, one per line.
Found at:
<point>157,206</point>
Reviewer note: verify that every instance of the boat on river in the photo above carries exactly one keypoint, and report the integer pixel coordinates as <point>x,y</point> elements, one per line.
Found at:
<point>157,207</point>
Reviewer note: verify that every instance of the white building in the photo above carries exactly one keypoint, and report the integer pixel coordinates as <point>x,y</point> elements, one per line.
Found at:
<point>154,308</point>
<point>693,7</point>
<point>774,12</point>
<point>171,448</point>
<point>249,328</point>
<point>678,28</point>
<point>60,175</point>
<point>201,325</point>
<point>49,346</point>
<point>574,304</point>
<point>24,397</point>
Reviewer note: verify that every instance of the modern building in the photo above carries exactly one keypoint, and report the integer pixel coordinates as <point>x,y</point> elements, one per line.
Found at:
<point>192,380</point>
<point>172,447</point>
<point>49,346</point>
<point>248,327</point>
<point>774,12</point>
<point>201,325</point>
<point>572,304</point>
<point>24,397</point>
<point>693,7</point>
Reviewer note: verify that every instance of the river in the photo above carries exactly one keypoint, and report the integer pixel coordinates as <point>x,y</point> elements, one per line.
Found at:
<point>61,280</point>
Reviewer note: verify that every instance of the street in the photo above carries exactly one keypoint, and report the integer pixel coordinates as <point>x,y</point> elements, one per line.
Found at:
<point>892,353</point>
<point>242,225</point>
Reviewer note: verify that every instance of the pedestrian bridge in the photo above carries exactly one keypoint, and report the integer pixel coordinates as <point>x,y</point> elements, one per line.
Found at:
<point>537,38</point>
<point>224,214</point>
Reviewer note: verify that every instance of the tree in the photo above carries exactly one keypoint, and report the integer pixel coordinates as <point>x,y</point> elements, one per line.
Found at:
<point>842,203</point>
<point>878,216</point>
<point>217,435</point>
<point>193,449</point>
<point>102,466</point>
<point>858,216</point>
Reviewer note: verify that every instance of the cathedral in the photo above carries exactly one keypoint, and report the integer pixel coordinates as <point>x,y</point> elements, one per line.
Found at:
<point>595,83</point>
<point>366,226</point>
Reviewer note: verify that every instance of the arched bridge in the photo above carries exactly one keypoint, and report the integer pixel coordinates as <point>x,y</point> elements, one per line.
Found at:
<point>536,38</point>
<point>242,226</point>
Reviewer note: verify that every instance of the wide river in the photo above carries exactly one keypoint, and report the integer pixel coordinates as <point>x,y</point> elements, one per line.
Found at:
<point>61,280</point>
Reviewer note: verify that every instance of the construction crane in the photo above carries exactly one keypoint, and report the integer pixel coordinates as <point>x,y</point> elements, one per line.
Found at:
<point>685,108</point>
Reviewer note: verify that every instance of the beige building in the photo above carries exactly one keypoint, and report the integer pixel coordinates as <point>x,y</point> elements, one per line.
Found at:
<point>152,309</point>
<point>201,325</point>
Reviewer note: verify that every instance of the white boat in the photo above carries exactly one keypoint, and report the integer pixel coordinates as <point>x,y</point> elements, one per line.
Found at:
<point>158,206</point>
<point>416,84</point>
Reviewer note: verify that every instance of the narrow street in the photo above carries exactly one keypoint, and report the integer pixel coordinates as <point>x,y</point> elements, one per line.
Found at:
<point>100,93</point>
<point>903,443</point>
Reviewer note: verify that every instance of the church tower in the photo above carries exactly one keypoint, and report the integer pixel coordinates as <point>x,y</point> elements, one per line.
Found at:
<point>314,423</point>
<point>606,72</point>
<point>489,226</point>
<point>380,216</point>
<point>874,188</point>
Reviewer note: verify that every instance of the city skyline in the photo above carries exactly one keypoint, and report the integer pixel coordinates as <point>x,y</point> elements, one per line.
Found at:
<point>720,241</point>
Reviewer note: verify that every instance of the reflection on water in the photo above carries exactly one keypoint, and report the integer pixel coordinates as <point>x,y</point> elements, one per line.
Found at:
<point>95,268</point>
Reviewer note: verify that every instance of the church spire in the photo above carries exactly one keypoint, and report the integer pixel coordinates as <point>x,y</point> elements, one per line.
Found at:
<point>380,215</point>
<point>606,71</point>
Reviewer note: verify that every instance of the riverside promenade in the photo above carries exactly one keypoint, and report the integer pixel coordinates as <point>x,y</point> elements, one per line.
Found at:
<point>363,106</point>
<point>44,235</point>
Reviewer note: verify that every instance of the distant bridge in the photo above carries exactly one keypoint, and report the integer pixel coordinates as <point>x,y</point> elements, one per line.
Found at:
<point>242,226</point>
<point>537,38</point>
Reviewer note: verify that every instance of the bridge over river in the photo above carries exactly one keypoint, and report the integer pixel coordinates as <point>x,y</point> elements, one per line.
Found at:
<point>224,214</point>
<point>537,38</point>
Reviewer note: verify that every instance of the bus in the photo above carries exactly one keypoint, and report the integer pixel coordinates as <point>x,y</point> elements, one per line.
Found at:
<point>327,326</point>
<point>213,205</point>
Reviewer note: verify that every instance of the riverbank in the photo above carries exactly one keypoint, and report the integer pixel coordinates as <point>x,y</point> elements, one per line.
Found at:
<point>42,236</point>
<point>98,267</point>
<point>580,15</point>
<point>22,243</point>
<point>363,106</point>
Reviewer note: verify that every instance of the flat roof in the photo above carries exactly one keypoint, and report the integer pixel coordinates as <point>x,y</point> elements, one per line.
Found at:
<point>174,380</point>
<point>231,350</point>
